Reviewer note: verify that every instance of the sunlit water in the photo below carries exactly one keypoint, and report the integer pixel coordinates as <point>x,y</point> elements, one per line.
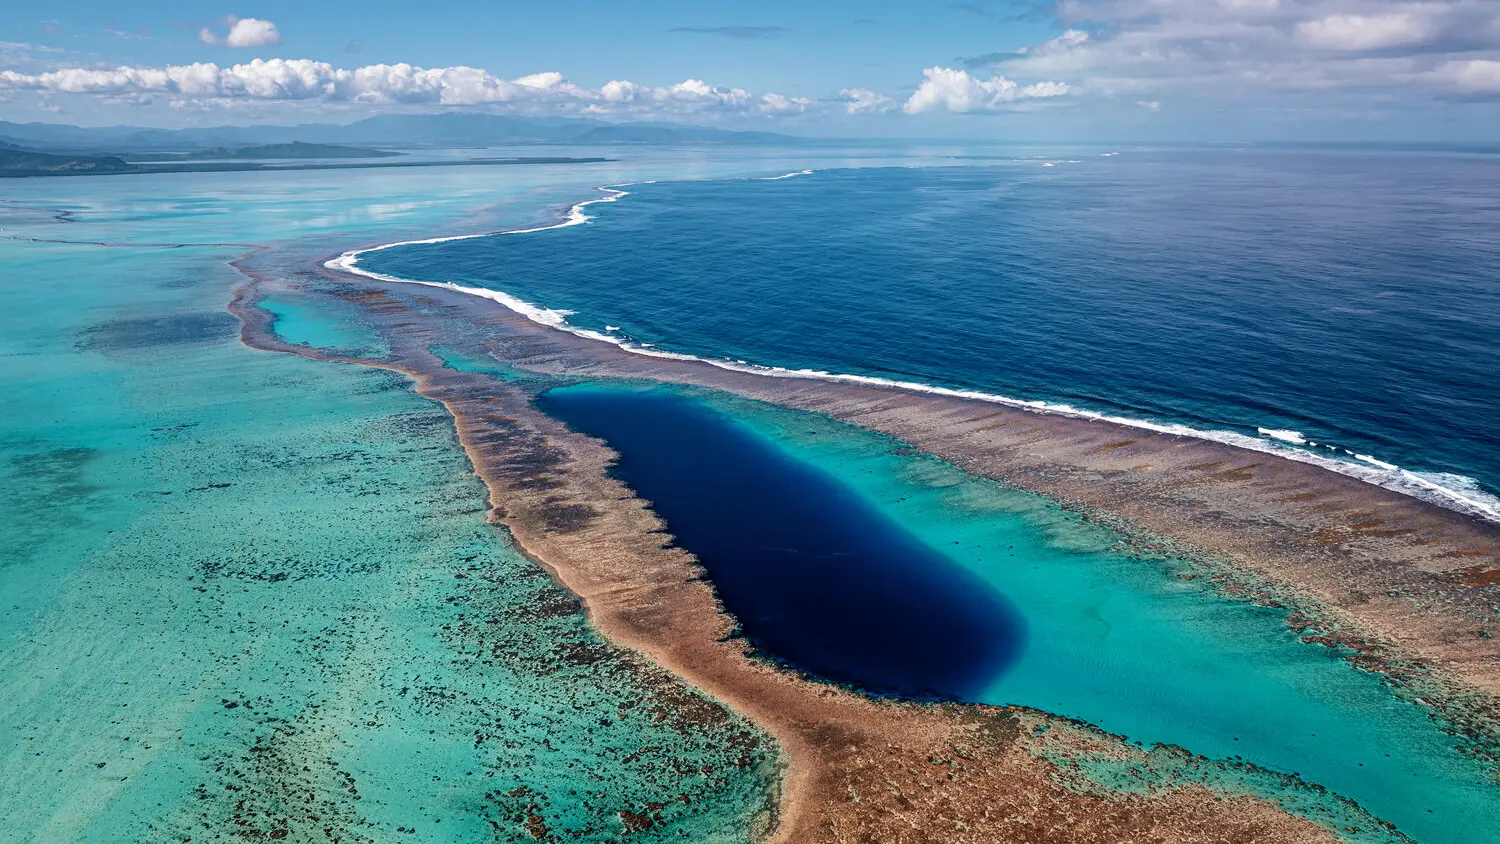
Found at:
<point>240,582</point>
<point>1340,307</point>
<point>247,592</point>
<point>1122,641</point>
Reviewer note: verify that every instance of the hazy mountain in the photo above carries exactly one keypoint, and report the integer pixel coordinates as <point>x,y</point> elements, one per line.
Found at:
<point>453,129</point>
<point>15,162</point>
<point>460,129</point>
<point>647,133</point>
<point>270,152</point>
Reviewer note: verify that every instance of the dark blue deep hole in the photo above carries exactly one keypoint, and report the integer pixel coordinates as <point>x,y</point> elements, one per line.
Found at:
<point>816,576</point>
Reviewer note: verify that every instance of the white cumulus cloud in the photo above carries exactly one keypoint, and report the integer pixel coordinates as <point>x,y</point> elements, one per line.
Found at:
<point>865,101</point>
<point>1223,49</point>
<point>956,90</point>
<point>244,32</point>
<point>1475,76</point>
<point>778,104</point>
<point>303,80</point>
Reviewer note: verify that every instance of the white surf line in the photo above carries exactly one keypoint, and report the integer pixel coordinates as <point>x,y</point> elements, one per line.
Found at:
<point>1472,502</point>
<point>1286,436</point>
<point>785,176</point>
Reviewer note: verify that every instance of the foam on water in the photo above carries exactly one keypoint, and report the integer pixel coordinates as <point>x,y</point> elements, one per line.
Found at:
<point>1286,436</point>
<point>1453,491</point>
<point>787,176</point>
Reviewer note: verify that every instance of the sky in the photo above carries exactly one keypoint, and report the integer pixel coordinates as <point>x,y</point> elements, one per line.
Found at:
<point>1070,70</point>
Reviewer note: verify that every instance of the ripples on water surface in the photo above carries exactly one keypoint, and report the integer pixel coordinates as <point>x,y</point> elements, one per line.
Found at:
<point>1346,299</point>
<point>244,592</point>
<point>196,533</point>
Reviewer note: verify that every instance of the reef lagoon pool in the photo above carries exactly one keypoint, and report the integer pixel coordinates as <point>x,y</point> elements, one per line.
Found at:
<point>851,557</point>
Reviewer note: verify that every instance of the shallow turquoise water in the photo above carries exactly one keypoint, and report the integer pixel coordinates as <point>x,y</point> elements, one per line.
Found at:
<point>230,575</point>
<point>322,325</point>
<point>1128,644</point>
<point>245,591</point>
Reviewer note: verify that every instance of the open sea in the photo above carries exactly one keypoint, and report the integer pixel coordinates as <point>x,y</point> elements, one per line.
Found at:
<point>239,590</point>
<point>1340,307</point>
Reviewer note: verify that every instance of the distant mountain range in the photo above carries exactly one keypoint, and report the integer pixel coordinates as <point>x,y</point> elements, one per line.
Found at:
<point>21,163</point>
<point>14,162</point>
<point>453,129</point>
<point>268,152</point>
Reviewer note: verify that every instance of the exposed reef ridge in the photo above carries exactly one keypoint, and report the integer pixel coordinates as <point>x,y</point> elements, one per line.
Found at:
<point>855,768</point>
<point>1395,584</point>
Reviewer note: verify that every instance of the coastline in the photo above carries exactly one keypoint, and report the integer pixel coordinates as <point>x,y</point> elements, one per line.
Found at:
<point>1400,585</point>
<point>1279,443</point>
<point>151,168</point>
<point>1394,584</point>
<point>856,767</point>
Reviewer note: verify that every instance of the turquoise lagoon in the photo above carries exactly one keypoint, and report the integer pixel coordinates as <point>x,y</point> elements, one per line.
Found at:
<point>1138,645</point>
<point>245,589</point>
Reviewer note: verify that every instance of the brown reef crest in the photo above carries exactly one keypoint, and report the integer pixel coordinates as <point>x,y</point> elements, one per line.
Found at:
<point>855,768</point>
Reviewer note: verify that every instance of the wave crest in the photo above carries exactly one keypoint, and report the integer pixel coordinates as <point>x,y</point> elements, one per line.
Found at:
<point>1452,491</point>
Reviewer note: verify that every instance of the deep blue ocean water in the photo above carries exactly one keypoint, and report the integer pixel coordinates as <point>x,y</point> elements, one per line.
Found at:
<point>1350,300</point>
<point>189,523</point>
<point>813,573</point>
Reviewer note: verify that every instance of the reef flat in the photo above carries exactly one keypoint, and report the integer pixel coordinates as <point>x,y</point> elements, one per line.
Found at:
<point>250,596</point>
<point>1408,588</point>
<point>855,767</point>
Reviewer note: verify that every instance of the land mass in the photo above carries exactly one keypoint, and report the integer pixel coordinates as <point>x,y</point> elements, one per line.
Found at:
<point>273,152</point>
<point>446,130</point>
<point>25,163</point>
<point>22,162</point>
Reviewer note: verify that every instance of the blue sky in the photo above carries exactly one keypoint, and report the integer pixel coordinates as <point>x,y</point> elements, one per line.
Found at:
<point>1071,70</point>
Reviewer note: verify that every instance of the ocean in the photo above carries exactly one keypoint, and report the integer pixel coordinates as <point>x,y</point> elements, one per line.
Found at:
<point>249,589</point>
<point>1339,307</point>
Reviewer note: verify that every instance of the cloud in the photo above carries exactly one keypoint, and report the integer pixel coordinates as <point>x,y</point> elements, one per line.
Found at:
<point>244,32</point>
<point>267,80</point>
<point>1069,40</point>
<point>1061,44</point>
<point>23,54</point>
<point>1149,105</point>
<point>865,101</point>
<point>1366,32</point>
<point>747,33</point>
<point>984,60</point>
<point>1475,76</point>
<point>777,104</point>
<point>1224,49</point>
<point>955,90</point>
<point>22,45</point>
